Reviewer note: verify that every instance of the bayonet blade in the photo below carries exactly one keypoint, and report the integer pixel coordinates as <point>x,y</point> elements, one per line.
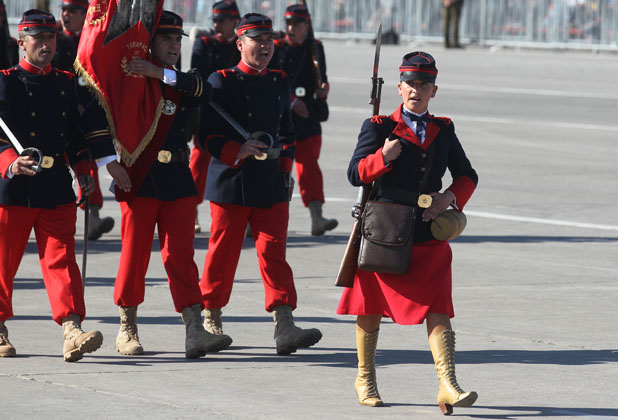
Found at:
<point>376,60</point>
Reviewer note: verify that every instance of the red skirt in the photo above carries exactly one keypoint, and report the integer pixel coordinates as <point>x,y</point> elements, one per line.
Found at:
<point>407,298</point>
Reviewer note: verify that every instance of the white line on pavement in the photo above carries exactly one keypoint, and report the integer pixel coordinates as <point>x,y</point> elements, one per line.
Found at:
<point>494,120</point>
<point>493,89</point>
<point>542,221</point>
<point>498,216</point>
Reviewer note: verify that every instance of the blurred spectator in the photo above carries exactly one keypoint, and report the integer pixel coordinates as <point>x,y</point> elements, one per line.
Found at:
<point>9,52</point>
<point>42,5</point>
<point>452,13</point>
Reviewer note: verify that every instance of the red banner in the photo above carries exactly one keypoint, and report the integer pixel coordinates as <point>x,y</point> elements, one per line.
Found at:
<point>116,31</point>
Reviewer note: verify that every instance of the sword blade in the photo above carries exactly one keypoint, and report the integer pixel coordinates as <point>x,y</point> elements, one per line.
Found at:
<point>231,121</point>
<point>85,250</point>
<point>16,144</point>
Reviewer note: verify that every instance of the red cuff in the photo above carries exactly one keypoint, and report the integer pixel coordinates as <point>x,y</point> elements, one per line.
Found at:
<point>285,164</point>
<point>462,187</point>
<point>6,158</point>
<point>229,154</point>
<point>372,167</point>
<point>82,167</point>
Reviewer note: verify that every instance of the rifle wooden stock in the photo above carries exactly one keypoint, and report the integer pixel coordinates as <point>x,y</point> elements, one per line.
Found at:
<point>347,269</point>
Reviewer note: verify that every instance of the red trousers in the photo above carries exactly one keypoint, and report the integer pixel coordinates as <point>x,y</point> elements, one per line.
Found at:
<point>308,171</point>
<point>200,160</point>
<point>96,197</point>
<point>174,220</point>
<point>227,232</point>
<point>54,230</point>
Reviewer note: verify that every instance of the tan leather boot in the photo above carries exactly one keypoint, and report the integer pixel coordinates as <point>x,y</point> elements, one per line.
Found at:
<point>198,341</point>
<point>365,384</point>
<point>289,337</point>
<point>319,224</point>
<point>6,348</point>
<point>450,394</point>
<point>212,321</point>
<point>76,341</point>
<point>127,340</point>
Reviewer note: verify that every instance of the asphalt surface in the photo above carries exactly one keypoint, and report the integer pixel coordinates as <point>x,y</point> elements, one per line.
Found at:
<point>534,273</point>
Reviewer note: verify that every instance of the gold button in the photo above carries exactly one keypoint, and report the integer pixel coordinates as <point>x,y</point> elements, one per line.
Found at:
<point>32,134</point>
<point>182,109</point>
<point>241,78</point>
<point>275,78</point>
<point>29,93</point>
<point>62,93</point>
<point>61,134</point>
<point>64,114</point>
<point>423,169</point>
<point>423,155</point>
<point>34,114</point>
<point>250,115</point>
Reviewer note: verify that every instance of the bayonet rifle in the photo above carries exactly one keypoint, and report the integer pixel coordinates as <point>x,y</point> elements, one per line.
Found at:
<point>347,269</point>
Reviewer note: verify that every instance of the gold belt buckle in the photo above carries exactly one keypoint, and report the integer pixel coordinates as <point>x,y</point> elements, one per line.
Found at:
<point>47,162</point>
<point>263,156</point>
<point>165,156</point>
<point>424,201</point>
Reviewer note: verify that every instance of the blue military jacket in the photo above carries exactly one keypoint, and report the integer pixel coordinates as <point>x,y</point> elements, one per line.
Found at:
<point>40,108</point>
<point>401,178</point>
<point>171,181</point>
<point>211,53</point>
<point>258,102</point>
<point>296,60</point>
<point>66,51</point>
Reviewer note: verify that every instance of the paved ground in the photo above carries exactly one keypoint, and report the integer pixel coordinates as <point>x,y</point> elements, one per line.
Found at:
<point>534,274</point>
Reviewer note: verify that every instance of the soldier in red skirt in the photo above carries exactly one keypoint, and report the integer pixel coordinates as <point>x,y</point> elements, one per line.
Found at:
<point>398,150</point>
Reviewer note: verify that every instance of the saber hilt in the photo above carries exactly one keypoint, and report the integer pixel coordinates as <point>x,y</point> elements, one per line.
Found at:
<point>32,152</point>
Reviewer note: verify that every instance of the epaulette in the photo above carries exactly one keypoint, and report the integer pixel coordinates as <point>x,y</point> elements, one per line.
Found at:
<point>281,72</point>
<point>7,72</point>
<point>377,119</point>
<point>226,72</point>
<point>445,120</point>
<point>66,73</point>
<point>280,42</point>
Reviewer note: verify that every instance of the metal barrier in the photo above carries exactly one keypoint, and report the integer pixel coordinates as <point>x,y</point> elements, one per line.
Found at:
<point>580,24</point>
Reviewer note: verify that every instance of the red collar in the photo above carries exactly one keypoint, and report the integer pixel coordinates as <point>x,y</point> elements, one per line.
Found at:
<point>250,70</point>
<point>222,40</point>
<point>31,68</point>
<point>403,131</point>
<point>295,44</point>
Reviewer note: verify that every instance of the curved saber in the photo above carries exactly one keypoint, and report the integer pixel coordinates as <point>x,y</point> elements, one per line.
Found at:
<point>30,151</point>
<point>16,144</point>
<point>85,250</point>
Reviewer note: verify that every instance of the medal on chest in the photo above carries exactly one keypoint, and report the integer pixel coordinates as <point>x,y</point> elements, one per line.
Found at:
<point>169,107</point>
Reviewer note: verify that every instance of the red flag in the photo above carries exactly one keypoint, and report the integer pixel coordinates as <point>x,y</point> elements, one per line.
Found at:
<point>116,31</point>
